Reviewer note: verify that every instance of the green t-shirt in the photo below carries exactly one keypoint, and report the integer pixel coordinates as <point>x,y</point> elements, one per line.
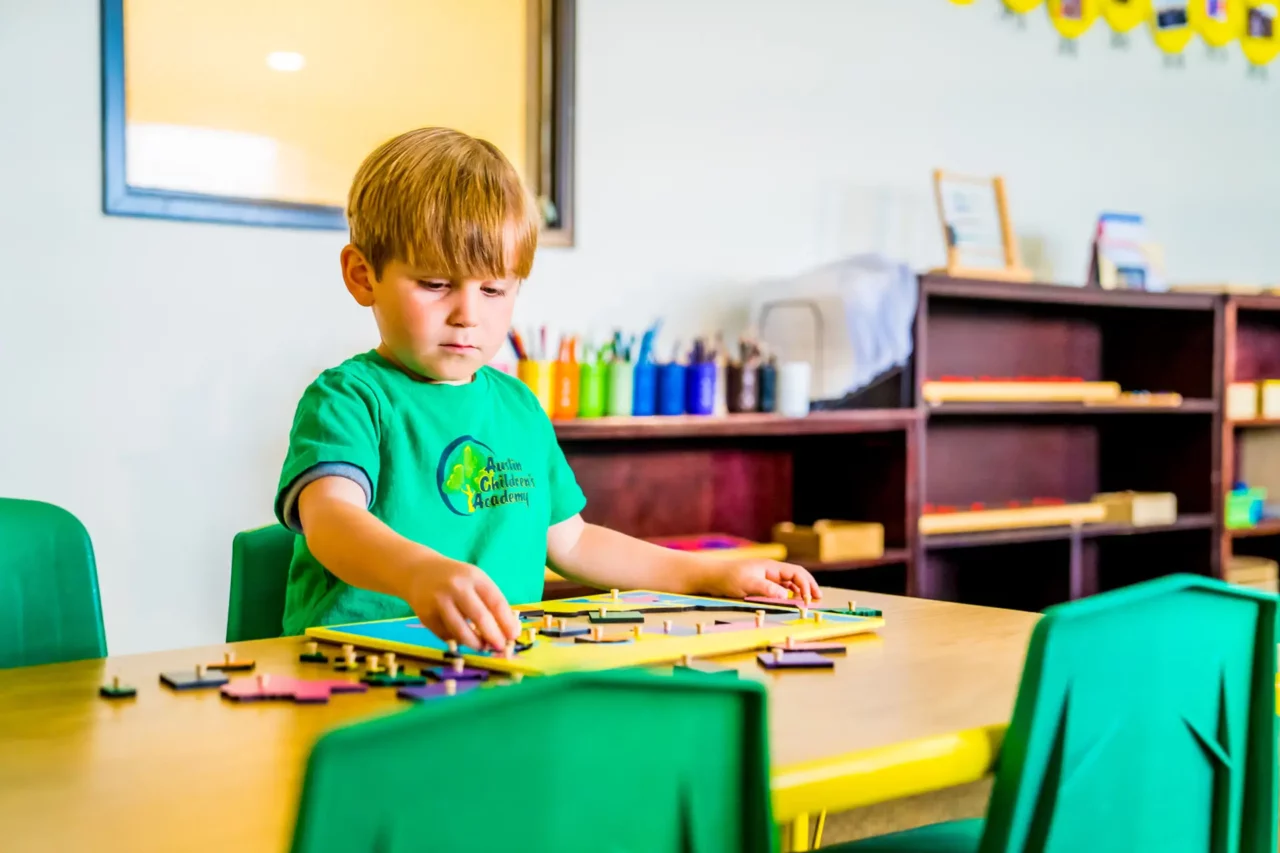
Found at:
<point>472,471</point>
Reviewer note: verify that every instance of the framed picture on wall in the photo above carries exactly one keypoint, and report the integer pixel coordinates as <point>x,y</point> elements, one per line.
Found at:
<point>258,112</point>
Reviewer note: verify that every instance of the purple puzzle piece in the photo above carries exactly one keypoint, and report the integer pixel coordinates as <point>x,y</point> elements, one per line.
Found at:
<point>794,660</point>
<point>435,691</point>
<point>467,673</point>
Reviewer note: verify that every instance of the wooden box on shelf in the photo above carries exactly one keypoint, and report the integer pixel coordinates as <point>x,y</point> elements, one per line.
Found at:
<point>1011,518</point>
<point>1242,401</point>
<point>1269,399</point>
<point>1141,509</point>
<point>831,541</point>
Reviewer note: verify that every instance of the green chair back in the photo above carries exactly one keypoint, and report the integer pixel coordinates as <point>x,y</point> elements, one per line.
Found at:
<point>50,610</point>
<point>259,574</point>
<point>577,763</point>
<point>1145,720</point>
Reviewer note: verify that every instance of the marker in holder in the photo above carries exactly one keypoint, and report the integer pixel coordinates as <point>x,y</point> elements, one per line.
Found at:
<point>644,399</point>
<point>700,388</point>
<point>768,384</point>
<point>539,376</point>
<point>743,390</point>
<point>565,406</point>
<point>671,389</point>
<point>620,393</point>
<point>592,382</point>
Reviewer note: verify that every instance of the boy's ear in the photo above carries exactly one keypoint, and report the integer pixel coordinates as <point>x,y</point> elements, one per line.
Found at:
<point>358,275</point>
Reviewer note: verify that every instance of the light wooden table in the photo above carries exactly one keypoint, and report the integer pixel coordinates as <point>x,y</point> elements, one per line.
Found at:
<point>920,706</point>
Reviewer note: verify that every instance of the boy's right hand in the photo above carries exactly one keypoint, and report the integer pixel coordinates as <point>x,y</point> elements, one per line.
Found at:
<point>458,601</point>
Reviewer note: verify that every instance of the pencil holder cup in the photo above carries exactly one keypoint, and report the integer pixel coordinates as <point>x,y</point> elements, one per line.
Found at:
<point>794,379</point>
<point>620,394</point>
<point>591,389</point>
<point>700,388</point>
<point>565,406</point>
<point>743,390</point>
<point>768,387</point>
<point>644,398</point>
<point>540,377</point>
<point>671,389</point>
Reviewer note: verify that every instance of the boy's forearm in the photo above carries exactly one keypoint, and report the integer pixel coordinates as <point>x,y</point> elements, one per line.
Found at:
<point>607,559</point>
<point>360,549</point>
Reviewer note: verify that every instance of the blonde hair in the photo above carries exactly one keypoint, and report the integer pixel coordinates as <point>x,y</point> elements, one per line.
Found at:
<point>444,202</point>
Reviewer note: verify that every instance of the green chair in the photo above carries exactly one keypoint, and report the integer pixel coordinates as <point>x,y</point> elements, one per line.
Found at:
<point>259,574</point>
<point>1145,721</point>
<point>50,610</point>
<point>575,763</point>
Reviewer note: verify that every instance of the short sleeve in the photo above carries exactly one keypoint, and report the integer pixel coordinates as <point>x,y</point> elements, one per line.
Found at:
<point>335,428</point>
<point>567,499</point>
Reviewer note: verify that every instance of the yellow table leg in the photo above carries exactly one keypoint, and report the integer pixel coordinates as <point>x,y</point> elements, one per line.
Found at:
<point>800,833</point>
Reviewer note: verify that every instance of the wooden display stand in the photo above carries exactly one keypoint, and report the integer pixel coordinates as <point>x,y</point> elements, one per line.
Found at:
<point>1011,518</point>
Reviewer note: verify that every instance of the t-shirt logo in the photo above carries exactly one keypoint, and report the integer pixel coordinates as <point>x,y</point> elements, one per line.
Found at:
<point>471,477</point>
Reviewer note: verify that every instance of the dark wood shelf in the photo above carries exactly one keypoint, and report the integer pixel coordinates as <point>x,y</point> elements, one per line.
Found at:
<point>1193,521</point>
<point>891,557</point>
<point>1000,291</point>
<point>746,425</point>
<point>1266,527</point>
<point>1188,407</point>
<point>1256,423</point>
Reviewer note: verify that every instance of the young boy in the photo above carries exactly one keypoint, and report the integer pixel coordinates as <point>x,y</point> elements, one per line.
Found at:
<point>423,481</point>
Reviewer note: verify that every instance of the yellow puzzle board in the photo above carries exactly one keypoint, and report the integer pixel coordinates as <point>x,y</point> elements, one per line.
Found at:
<point>407,637</point>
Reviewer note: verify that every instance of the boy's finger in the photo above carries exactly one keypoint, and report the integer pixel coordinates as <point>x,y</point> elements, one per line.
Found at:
<point>498,606</point>
<point>456,627</point>
<point>474,608</point>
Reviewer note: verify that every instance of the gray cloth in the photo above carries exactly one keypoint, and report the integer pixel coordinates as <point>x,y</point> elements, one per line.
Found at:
<point>325,469</point>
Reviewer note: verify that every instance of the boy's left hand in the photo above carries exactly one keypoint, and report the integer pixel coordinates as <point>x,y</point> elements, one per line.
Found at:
<point>769,578</point>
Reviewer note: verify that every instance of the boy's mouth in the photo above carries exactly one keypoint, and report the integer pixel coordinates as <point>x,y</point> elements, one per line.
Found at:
<point>457,347</point>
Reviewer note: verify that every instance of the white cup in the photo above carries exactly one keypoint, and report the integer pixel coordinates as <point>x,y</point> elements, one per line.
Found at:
<point>793,389</point>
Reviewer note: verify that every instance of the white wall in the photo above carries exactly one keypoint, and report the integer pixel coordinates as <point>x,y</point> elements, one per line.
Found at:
<point>148,370</point>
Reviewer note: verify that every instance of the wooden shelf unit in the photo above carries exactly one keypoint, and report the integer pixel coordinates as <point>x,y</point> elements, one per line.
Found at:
<point>1251,351</point>
<point>997,452</point>
<point>741,474</point>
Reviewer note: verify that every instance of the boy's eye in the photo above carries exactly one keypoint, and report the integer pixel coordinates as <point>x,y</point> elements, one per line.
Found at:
<point>433,284</point>
<point>492,291</point>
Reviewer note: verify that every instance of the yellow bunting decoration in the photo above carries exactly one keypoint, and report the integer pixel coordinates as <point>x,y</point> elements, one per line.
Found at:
<point>1022,7</point>
<point>1217,21</point>
<point>1123,15</point>
<point>1260,30</point>
<point>1171,25</point>
<point>1073,18</point>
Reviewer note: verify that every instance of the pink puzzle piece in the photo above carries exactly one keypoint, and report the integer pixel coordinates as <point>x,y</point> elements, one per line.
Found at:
<point>639,598</point>
<point>264,687</point>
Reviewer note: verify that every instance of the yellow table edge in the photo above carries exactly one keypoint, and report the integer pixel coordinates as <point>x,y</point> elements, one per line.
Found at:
<point>885,773</point>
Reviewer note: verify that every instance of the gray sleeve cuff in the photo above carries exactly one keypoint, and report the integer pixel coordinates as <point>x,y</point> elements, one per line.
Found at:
<point>325,469</point>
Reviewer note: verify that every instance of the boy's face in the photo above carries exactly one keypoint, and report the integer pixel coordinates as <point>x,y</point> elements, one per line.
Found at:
<point>439,327</point>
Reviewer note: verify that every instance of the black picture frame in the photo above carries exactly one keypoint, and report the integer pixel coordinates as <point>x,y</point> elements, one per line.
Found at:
<point>121,199</point>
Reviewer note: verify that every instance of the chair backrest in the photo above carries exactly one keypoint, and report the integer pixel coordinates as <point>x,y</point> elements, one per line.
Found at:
<point>578,763</point>
<point>50,610</point>
<point>1145,720</point>
<point>259,575</point>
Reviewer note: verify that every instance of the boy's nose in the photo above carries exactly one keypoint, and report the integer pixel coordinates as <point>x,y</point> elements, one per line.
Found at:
<point>466,307</point>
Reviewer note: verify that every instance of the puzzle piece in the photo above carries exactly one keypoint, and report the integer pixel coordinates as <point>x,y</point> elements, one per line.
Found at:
<point>565,629</point>
<point>313,655</point>
<point>230,664</point>
<point>116,690</point>
<point>779,659</point>
<point>616,617</point>
<point>393,679</point>
<point>598,636</point>
<point>265,687</point>
<point>691,666</point>
<point>436,691</point>
<point>192,680</point>
<point>822,647</point>
<point>456,671</point>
